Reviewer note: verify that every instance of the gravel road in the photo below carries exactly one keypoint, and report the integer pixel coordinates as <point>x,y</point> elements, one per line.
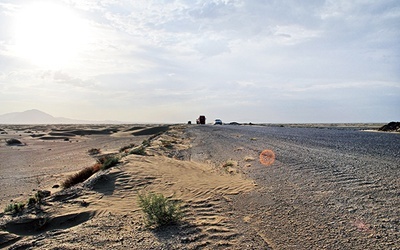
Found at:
<point>328,188</point>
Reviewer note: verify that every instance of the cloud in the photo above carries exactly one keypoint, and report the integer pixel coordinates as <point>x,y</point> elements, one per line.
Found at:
<point>237,59</point>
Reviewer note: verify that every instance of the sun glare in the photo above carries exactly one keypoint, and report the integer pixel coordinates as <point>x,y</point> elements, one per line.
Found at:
<point>49,35</point>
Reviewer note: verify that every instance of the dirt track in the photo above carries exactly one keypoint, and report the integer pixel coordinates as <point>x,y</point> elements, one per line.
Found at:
<point>328,188</point>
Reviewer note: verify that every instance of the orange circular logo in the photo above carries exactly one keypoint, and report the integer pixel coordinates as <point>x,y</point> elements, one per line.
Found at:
<point>267,157</point>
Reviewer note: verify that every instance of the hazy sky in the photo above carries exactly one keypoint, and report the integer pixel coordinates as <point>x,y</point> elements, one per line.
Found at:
<point>170,61</point>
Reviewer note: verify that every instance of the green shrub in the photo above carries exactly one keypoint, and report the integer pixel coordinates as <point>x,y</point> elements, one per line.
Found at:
<point>108,162</point>
<point>159,210</point>
<point>138,151</point>
<point>146,143</point>
<point>14,208</point>
<point>124,148</point>
<point>32,201</point>
<point>37,199</point>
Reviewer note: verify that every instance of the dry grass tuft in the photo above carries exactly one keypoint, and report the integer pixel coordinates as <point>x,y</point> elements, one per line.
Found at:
<point>94,151</point>
<point>79,177</point>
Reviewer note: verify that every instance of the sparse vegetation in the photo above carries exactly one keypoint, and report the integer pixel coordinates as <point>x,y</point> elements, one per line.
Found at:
<point>40,194</point>
<point>37,199</point>
<point>229,167</point>
<point>146,143</point>
<point>229,164</point>
<point>159,210</point>
<point>125,148</point>
<point>138,151</point>
<point>94,151</point>
<point>32,201</point>
<point>108,161</point>
<point>79,177</point>
<point>103,163</point>
<point>14,208</point>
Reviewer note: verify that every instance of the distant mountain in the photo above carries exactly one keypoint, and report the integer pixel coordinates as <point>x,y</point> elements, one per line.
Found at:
<point>35,116</point>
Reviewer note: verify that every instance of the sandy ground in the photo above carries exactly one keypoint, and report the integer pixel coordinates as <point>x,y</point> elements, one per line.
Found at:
<point>50,153</point>
<point>230,200</point>
<point>103,212</point>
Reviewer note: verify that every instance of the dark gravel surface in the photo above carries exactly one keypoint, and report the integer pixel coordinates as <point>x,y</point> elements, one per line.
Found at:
<point>328,188</point>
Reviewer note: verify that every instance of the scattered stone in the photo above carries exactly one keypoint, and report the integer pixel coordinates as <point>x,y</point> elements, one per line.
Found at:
<point>13,142</point>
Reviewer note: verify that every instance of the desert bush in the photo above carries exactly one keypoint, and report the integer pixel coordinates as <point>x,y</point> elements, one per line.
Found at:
<point>94,151</point>
<point>14,208</point>
<point>124,148</point>
<point>40,194</point>
<point>138,151</point>
<point>108,162</point>
<point>159,210</point>
<point>146,143</point>
<point>79,177</point>
<point>32,201</point>
<point>38,197</point>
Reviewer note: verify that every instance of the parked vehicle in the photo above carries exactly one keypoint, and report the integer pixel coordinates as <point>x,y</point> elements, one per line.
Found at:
<point>201,120</point>
<point>218,122</point>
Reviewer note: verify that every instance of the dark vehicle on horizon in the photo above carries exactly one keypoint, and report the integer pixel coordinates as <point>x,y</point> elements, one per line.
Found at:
<point>201,120</point>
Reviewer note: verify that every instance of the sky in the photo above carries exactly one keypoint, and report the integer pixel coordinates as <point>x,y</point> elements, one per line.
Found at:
<point>162,61</point>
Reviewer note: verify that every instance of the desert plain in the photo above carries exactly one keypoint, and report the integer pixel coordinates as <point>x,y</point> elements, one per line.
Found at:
<point>329,187</point>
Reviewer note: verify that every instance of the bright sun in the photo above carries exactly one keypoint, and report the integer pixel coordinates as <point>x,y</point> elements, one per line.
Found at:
<point>49,35</point>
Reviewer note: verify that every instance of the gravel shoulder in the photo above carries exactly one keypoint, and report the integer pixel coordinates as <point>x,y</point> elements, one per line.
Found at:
<point>328,188</point>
